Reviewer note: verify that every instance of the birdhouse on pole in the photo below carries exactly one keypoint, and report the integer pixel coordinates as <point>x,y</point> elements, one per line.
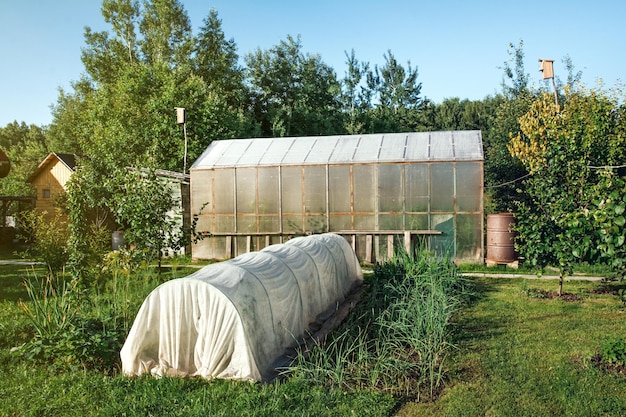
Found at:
<point>181,115</point>
<point>545,66</point>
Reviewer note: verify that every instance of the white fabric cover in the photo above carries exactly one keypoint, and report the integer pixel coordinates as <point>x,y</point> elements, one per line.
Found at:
<point>234,319</point>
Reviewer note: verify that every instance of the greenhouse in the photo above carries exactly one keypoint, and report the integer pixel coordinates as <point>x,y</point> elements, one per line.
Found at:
<point>380,191</point>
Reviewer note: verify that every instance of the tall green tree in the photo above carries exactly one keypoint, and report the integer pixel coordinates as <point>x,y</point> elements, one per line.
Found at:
<point>121,112</point>
<point>397,96</point>
<point>356,98</point>
<point>217,61</point>
<point>293,93</point>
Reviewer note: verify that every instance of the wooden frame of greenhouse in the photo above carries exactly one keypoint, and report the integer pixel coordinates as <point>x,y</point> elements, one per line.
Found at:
<point>380,191</point>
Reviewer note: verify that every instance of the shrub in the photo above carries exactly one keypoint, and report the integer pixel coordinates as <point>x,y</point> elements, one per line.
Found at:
<point>47,237</point>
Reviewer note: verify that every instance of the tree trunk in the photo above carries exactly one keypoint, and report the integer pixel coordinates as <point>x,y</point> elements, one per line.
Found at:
<point>560,292</point>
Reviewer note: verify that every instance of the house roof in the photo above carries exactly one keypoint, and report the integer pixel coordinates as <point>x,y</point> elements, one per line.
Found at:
<point>320,150</point>
<point>67,159</point>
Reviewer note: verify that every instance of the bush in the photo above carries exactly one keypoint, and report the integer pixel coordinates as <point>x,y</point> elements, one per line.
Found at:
<point>47,237</point>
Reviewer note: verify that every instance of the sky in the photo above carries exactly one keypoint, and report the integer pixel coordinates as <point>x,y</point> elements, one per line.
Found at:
<point>458,47</point>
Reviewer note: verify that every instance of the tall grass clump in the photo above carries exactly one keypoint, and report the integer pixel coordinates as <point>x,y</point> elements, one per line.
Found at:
<point>397,338</point>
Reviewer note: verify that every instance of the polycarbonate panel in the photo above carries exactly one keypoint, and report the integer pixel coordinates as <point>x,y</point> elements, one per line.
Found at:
<point>416,184</point>
<point>366,222</point>
<point>364,190</point>
<point>297,152</point>
<point>315,189</point>
<point>468,146</point>
<point>339,188</point>
<point>442,187</point>
<point>315,224</point>
<point>393,147</point>
<point>254,153</point>
<point>469,186</point>
<point>224,189</point>
<point>344,149</point>
<point>417,147</point>
<point>390,190</point>
<point>292,189</point>
<point>268,224</point>
<point>367,149</point>
<point>322,150</point>
<point>276,151</point>
<point>443,243</point>
<point>340,223</point>
<point>224,224</point>
<point>441,146</point>
<point>212,154</point>
<point>232,155</point>
<point>417,222</point>
<point>267,179</point>
<point>391,221</point>
<point>292,224</point>
<point>202,192</point>
<point>247,224</point>
<point>469,237</point>
<point>246,190</point>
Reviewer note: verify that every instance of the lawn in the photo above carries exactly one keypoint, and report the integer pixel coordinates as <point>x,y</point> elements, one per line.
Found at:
<point>519,354</point>
<point>516,354</point>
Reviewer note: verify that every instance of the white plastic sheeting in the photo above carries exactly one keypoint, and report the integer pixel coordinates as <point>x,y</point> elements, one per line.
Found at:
<point>235,319</point>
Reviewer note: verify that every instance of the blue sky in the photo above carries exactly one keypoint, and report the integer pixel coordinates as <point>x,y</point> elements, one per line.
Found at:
<point>458,47</point>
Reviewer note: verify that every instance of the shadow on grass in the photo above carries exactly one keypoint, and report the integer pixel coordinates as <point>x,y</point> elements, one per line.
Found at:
<point>470,326</point>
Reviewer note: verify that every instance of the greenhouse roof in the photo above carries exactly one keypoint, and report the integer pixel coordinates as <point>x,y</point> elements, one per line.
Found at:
<point>321,150</point>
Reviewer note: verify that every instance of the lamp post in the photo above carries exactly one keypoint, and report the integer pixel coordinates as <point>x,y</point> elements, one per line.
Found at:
<point>547,71</point>
<point>181,119</point>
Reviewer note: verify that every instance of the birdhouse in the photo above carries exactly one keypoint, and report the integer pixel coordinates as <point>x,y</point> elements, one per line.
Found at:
<point>181,115</point>
<point>545,66</point>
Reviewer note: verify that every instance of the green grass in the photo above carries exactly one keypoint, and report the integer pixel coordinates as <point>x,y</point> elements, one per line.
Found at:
<point>61,387</point>
<point>515,354</point>
<point>526,356</point>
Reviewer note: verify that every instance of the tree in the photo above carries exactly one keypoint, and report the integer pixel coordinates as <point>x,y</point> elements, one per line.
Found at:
<point>121,112</point>
<point>397,94</point>
<point>217,61</point>
<point>561,222</point>
<point>25,146</point>
<point>356,98</point>
<point>293,94</point>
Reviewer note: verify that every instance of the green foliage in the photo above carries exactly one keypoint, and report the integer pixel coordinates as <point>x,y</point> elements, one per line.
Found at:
<point>47,237</point>
<point>25,146</point>
<point>563,219</point>
<point>396,341</point>
<point>293,93</point>
<point>613,350</point>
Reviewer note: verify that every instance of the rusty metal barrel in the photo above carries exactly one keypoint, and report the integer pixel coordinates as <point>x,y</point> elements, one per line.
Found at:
<point>500,238</point>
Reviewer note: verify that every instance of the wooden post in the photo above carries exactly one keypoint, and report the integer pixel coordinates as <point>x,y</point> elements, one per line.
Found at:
<point>407,242</point>
<point>229,247</point>
<point>248,243</point>
<point>389,246</point>
<point>368,248</point>
<point>267,240</point>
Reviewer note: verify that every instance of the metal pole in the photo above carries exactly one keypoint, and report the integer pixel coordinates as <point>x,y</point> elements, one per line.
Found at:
<point>185,156</point>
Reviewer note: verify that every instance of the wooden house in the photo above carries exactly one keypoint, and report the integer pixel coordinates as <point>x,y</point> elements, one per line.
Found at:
<point>50,178</point>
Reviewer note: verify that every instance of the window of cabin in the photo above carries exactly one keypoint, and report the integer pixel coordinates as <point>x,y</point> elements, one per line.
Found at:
<point>46,193</point>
